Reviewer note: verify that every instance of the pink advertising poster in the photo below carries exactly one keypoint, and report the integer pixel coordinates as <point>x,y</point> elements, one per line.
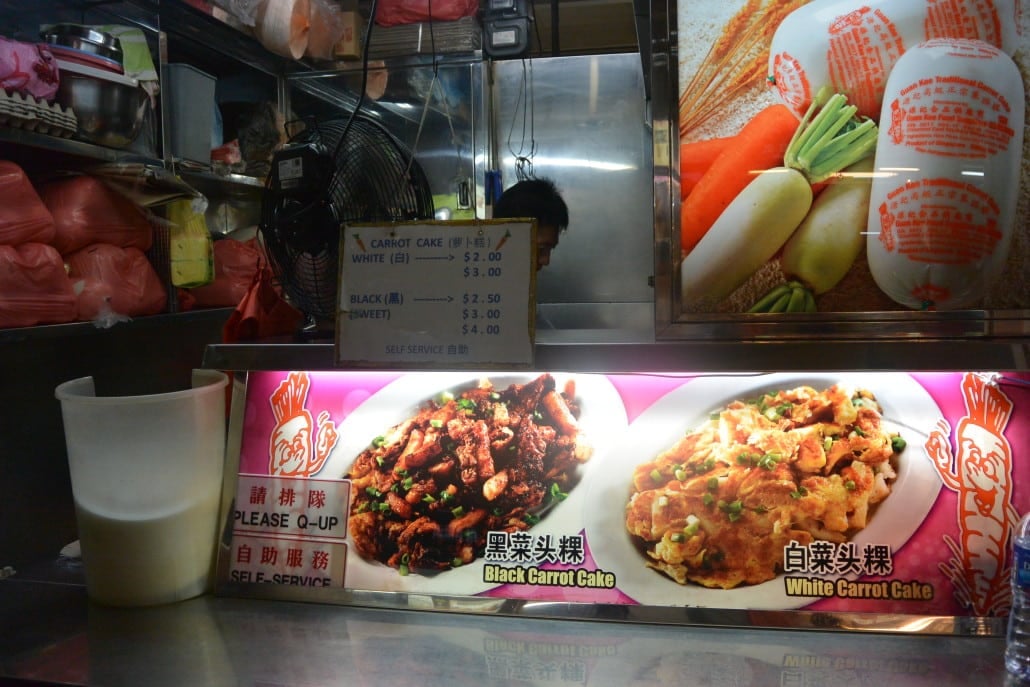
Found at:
<point>882,492</point>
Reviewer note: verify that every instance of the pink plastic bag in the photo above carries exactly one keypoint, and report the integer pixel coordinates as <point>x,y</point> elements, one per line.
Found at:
<point>113,283</point>
<point>28,68</point>
<point>34,288</point>
<point>394,12</point>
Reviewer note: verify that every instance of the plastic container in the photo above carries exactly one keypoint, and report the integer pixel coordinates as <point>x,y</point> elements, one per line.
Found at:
<point>1017,649</point>
<point>189,110</point>
<point>146,475</point>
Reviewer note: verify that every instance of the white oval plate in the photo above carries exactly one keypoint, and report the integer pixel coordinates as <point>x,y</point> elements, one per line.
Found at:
<point>602,421</point>
<point>906,406</point>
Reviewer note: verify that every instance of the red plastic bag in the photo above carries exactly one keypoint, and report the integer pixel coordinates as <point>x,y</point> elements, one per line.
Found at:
<point>34,288</point>
<point>87,211</point>
<point>236,263</point>
<point>394,12</point>
<point>114,283</point>
<point>23,216</point>
<point>262,313</point>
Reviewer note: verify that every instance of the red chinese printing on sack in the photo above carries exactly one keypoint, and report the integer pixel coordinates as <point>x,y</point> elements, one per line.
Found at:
<point>395,12</point>
<point>115,282</point>
<point>23,216</point>
<point>34,287</point>
<point>86,211</point>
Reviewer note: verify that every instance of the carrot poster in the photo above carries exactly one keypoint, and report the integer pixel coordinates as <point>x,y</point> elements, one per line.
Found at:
<point>853,156</point>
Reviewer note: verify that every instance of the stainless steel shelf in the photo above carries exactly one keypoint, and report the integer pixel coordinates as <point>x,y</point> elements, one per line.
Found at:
<point>231,641</point>
<point>215,185</point>
<point>686,356</point>
<point>19,335</point>
<point>67,146</point>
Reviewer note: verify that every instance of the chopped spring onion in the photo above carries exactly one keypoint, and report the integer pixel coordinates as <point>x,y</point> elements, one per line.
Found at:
<point>678,537</point>
<point>731,506</point>
<point>436,424</point>
<point>656,475</point>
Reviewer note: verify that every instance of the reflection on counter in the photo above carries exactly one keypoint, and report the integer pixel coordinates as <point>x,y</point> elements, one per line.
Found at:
<point>60,637</point>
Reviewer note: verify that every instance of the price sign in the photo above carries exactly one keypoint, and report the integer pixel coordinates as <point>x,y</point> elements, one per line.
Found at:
<point>416,294</point>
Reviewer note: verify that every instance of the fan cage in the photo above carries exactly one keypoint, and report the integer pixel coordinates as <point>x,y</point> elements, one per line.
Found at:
<point>375,178</point>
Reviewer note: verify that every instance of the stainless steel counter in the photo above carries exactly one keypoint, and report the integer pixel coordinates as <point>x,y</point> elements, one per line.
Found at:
<point>53,635</point>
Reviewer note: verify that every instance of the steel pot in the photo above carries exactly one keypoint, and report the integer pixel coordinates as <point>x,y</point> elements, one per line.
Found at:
<point>85,39</point>
<point>109,107</point>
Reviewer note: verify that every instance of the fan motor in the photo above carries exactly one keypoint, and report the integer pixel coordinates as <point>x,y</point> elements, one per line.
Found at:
<point>302,169</point>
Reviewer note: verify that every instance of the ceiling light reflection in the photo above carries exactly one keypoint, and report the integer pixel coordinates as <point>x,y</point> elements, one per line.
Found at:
<point>600,165</point>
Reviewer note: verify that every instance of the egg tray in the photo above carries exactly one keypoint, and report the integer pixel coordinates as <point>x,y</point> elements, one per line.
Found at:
<point>23,111</point>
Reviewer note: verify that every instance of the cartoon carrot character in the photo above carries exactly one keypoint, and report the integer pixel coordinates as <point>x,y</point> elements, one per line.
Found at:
<point>980,472</point>
<point>361,244</point>
<point>291,450</point>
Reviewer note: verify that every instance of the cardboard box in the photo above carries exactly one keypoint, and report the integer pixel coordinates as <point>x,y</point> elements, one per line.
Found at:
<point>349,45</point>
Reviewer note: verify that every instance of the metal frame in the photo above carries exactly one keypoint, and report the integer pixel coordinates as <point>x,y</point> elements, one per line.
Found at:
<point>885,623</point>
<point>671,323</point>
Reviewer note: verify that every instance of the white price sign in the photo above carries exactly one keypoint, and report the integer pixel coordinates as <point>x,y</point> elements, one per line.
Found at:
<point>456,294</point>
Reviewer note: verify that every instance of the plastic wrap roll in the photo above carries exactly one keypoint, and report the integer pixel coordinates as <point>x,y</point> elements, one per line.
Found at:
<point>283,27</point>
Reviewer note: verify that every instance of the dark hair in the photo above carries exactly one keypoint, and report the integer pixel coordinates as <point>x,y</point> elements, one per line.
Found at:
<point>536,198</point>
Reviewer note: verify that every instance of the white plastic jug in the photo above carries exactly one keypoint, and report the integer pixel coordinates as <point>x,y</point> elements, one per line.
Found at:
<point>146,475</point>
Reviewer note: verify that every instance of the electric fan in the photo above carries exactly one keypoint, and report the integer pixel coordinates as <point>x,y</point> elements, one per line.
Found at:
<point>335,172</point>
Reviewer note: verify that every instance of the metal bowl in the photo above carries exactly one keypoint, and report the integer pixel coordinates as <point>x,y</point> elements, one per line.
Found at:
<point>109,110</point>
<point>86,39</point>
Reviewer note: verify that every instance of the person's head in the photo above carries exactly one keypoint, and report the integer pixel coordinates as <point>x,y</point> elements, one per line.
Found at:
<point>539,199</point>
